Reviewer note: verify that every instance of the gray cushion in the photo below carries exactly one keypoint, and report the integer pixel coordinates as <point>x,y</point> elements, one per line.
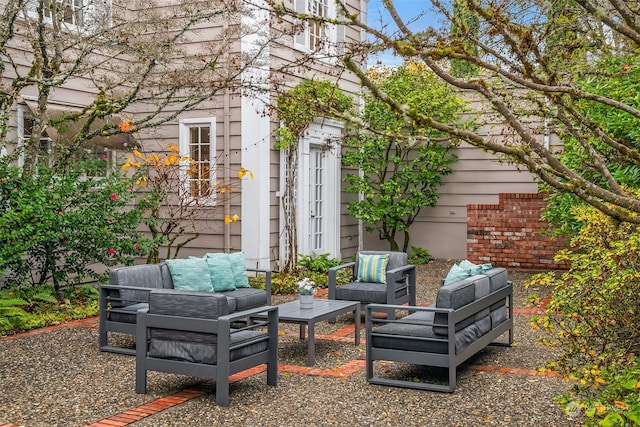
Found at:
<point>368,293</point>
<point>482,319</point>
<point>143,276</point>
<point>396,259</point>
<point>394,335</point>
<point>201,305</point>
<point>203,349</point>
<point>126,314</point>
<point>245,298</point>
<point>497,280</point>
<point>454,295</point>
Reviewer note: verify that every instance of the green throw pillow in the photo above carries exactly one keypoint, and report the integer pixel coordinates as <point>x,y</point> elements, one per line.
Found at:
<point>191,274</point>
<point>239,269</point>
<point>372,268</point>
<point>465,269</point>
<point>220,271</point>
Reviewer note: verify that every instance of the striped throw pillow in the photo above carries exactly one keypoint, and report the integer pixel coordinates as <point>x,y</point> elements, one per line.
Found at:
<point>372,268</point>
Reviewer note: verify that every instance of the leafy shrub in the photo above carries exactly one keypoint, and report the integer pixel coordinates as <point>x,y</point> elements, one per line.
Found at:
<point>593,318</point>
<point>315,267</point>
<point>419,256</point>
<point>319,263</point>
<point>31,307</point>
<point>55,225</point>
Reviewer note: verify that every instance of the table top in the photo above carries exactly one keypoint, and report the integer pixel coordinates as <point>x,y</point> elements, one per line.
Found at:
<point>321,308</point>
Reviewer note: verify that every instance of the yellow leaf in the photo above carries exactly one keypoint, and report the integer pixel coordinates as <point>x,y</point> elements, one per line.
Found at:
<point>227,219</point>
<point>241,172</point>
<point>251,175</point>
<point>235,218</point>
<point>138,154</point>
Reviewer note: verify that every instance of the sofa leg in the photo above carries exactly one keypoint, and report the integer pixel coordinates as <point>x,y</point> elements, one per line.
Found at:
<point>141,380</point>
<point>222,391</point>
<point>452,378</point>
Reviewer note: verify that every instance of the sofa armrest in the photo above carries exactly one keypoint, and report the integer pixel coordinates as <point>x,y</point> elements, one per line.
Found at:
<point>403,273</point>
<point>267,280</point>
<point>107,292</point>
<point>333,277</point>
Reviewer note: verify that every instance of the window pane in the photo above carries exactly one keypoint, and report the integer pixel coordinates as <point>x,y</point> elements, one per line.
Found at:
<point>200,152</point>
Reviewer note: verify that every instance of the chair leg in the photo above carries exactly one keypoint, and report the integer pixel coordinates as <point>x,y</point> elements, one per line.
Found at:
<point>222,390</point>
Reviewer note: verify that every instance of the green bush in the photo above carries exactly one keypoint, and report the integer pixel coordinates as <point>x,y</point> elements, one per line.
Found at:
<point>315,267</point>
<point>31,307</point>
<point>593,318</point>
<point>320,263</point>
<point>419,256</point>
<point>55,225</point>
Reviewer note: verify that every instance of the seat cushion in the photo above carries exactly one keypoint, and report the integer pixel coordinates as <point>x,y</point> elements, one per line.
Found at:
<point>245,298</point>
<point>126,314</point>
<point>202,348</point>
<point>419,335</point>
<point>368,293</point>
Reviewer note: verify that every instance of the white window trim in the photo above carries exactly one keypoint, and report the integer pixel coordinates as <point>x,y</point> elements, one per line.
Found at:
<point>88,9</point>
<point>329,50</point>
<point>184,126</point>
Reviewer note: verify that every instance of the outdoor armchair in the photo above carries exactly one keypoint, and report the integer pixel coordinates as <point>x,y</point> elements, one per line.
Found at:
<point>376,281</point>
<point>190,333</point>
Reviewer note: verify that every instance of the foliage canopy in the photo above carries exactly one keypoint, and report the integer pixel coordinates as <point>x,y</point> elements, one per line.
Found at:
<point>400,167</point>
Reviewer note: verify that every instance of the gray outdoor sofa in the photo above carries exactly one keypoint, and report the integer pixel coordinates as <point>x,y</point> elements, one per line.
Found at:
<point>468,315</point>
<point>193,333</point>
<point>128,291</point>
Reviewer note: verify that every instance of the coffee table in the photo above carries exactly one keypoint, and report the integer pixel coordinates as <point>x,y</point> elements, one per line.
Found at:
<point>291,312</point>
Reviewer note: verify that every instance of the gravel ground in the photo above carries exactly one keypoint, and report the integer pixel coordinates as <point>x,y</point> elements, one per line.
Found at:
<point>59,378</point>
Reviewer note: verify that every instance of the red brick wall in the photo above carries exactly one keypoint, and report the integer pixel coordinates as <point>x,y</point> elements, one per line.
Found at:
<point>508,234</point>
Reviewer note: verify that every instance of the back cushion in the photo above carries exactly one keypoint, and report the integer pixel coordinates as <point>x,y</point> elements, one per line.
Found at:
<point>396,259</point>
<point>454,295</point>
<point>201,305</point>
<point>372,268</point>
<point>497,280</point>
<point>142,276</point>
<point>482,318</point>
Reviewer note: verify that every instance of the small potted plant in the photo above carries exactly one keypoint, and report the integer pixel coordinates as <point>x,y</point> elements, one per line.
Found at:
<point>306,290</point>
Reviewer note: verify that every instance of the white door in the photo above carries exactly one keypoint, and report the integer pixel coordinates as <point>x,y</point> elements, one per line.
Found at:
<point>317,201</point>
<point>319,195</point>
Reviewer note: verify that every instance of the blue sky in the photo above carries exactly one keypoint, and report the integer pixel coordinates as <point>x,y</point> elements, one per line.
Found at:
<point>407,9</point>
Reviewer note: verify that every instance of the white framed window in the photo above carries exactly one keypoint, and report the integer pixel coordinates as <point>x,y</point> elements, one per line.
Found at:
<point>316,36</point>
<point>197,143</point>
<point>44,147</point>
<point>74,15</point>
<point>103,151</point>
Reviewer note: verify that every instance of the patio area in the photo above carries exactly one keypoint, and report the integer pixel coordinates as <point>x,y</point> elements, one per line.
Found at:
<point>58,377</point>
